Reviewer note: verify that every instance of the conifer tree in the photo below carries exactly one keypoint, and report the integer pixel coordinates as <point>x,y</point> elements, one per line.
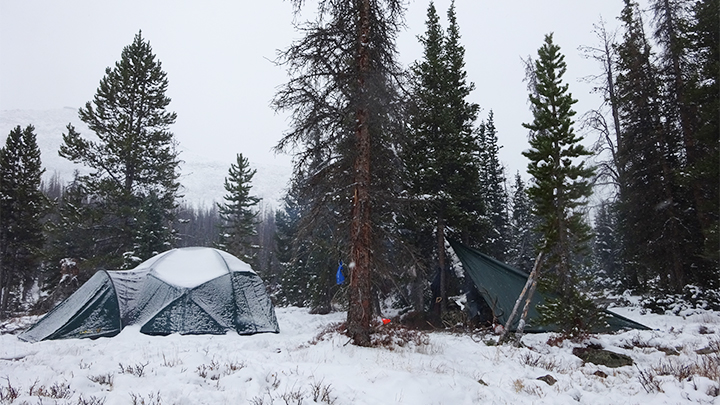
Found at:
<point>492,186</point>
<point>704,92</point>
<point>22,206</point>
<point>309,248</point>
<point>441,152</point>
<point>346,112</point>
<point>673,22</point>
<point>239,211</point>
<point>287,219</point>
<point>654,239</point>
<point>134,162</point>
<point>266,260</point>
<point>524,239</point>
<point>607,245</point>
<point>561,186</point>
<point>71,233</point>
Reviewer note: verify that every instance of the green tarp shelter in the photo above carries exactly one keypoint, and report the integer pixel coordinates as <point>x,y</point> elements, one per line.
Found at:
<point>500,286</point>
<point>186,291</point>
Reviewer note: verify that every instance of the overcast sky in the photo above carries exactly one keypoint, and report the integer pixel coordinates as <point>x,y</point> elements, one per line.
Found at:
<point>218,57</point>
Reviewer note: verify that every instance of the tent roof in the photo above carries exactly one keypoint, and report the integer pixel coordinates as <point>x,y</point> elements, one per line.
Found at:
<point>500,285</point>
<point>187,291</point>
<point>192,266</point>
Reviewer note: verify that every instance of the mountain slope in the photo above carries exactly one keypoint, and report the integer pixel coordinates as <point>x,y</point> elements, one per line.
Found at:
<point>202,177</point>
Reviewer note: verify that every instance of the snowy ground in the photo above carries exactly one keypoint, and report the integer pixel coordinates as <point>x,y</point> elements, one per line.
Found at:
<point>294,367</point>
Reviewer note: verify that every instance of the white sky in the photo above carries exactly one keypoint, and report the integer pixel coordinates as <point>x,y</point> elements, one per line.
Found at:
<point>218,58</point>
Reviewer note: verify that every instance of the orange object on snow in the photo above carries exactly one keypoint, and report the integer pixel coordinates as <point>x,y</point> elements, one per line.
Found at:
<point>385,321</point>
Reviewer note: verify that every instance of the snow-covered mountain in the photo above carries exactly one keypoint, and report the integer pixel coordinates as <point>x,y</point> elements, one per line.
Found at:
<point>202,177</point>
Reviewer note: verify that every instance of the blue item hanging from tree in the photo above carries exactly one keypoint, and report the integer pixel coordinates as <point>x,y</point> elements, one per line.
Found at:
<point>339,277</point>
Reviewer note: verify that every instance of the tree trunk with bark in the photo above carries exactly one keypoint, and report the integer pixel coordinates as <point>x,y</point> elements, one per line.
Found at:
<point>360,308</point>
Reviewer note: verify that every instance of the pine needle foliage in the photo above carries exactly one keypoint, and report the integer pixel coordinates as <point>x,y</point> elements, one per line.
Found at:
<point>133,183</point>
<point>239,212</point>
<point>346,111</point>
<point>22,206</point>
<point>560,188</point>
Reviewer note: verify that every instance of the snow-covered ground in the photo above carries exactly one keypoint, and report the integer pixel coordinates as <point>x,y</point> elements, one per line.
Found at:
<point>677,362</point>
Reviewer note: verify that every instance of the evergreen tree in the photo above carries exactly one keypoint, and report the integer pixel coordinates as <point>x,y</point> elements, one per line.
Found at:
<point>238,213</point>
<point>345,114</point>
<point>22,206</point>
<point>71,227</point>
<point>441,151</point>
<point>607,246</point>
<point>492,186</point>
<point>524,238</point>
<point>71,234</point>
<point>292,283</point>
<point>651,224</point>
<point>673,21</point>
<point>560,190</point>
<point>266,259</point>
<point>704,93</point>
<point>309,252</point>
<point>134,162</point>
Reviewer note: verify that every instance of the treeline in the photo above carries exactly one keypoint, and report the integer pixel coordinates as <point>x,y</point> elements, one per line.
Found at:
<point>661,132</point>
<point>390,163</point>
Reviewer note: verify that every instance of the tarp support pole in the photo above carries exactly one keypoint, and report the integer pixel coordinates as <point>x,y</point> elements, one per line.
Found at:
<point>535,277</point>
<point>530,283</point>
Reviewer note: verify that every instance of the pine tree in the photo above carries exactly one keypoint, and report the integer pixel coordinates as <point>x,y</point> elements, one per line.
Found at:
<point>293,283</point>
<point>71,233</point>
<point>704,92</point>
<point>309,252</point>
<point>673,20</point>
<point>654,239</point>
<point>238,213</point>
<point>345,114</point>
<point>492,184</point>
<point>524,239</point>
<point>22,206</point>
<point>265,240</point>
<point>560,190</point>
<point>607,246</point>
<point>134,162</point>
<point>441,151</point>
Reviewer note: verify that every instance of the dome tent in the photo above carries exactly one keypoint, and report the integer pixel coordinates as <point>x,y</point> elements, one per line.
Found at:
<point>187,291</point>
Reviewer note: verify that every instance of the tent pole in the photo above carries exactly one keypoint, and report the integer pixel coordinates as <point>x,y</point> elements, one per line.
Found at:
<point>531,282</point>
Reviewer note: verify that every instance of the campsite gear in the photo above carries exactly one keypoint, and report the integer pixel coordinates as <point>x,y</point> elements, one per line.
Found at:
<point>339,277</point>
<point>500,284</point>
<point>192,290</point>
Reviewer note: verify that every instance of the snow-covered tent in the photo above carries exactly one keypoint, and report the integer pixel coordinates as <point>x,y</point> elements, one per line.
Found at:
<point>187,291</point>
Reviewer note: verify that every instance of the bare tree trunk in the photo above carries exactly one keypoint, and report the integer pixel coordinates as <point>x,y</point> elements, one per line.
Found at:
<point>529,284</point>
<point>533,286</point>
<point>360,309</point>
<point>442,308</point>
<point>4,278</point>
